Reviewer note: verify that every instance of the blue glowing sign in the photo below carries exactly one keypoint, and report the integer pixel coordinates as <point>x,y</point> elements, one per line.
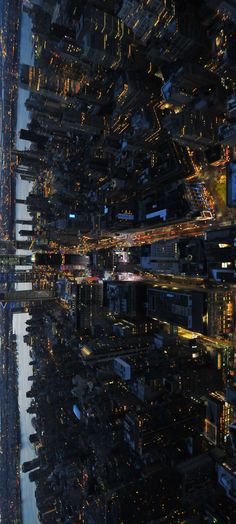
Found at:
<point>77,412</point>
<point>162,214</point>
<point>125,216</point>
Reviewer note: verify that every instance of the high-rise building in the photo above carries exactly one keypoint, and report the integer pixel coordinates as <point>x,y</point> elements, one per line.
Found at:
<point>104,39</point>
<point>146,18</point>
<point>56,86</point>
<point>231,185</point>
<point>182,39</point>
<point>185,308</point>
<point>227,8</point>
<point>26,297</point>
<point>163,257</point>
<point>11,260</point>
<point>226,473</point>
<point>195,129</point>
<point>89,305</point>
<point>126,299</point>
<point>227,134</point>
<point>220,248</point>
<point>219,415</point>
<point>207,311</point>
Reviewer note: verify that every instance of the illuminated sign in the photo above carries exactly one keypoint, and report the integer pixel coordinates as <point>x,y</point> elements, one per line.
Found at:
<point>161,213</point>
<point>125,216</point>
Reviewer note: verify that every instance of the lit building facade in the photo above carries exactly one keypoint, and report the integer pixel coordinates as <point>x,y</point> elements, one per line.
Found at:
<point>219,415</point>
